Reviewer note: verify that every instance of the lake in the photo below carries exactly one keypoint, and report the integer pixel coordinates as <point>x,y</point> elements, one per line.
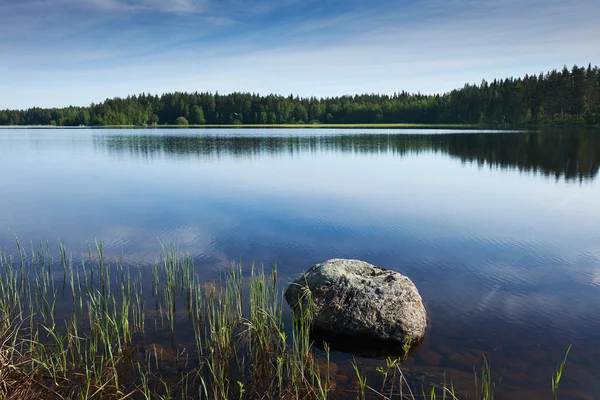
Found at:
<point>500,231</point>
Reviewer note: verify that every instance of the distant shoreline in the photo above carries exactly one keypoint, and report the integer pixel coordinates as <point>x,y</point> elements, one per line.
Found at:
<point>230,126</point>
<point>307,126</point>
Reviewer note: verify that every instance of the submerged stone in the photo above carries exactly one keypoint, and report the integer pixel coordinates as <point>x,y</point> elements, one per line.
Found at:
<point>355,298</point>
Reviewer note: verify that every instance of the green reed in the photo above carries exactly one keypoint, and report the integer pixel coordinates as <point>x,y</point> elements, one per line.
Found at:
<point>559,371</point>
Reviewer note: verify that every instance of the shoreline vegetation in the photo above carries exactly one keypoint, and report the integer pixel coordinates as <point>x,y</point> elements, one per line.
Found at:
<point>265,126</point>
<point>559,97</point>
<point>90,328</point>
<point>474,127</point>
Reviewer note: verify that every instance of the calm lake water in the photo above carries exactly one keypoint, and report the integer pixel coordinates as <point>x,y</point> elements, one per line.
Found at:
<point>500,231</point>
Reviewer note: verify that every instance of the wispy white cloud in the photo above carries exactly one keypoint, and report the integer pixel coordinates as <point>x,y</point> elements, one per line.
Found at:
<point>176,6</point>
<point>107,5</point>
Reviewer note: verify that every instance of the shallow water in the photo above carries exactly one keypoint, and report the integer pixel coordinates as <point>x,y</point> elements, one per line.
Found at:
<point>499,230</point>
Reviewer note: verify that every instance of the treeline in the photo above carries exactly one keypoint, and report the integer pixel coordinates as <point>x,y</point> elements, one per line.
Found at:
<point>557,97</point>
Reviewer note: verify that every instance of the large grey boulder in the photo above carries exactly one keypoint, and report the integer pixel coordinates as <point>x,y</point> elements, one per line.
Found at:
<point>355,298</point>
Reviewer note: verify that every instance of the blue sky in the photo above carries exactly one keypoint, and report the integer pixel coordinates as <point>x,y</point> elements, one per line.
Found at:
<point>74,52</point>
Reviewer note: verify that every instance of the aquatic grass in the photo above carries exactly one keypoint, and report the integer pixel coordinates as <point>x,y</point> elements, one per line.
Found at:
<point>484,385</point>
<point>559,371</point>
<point>406,346</point>
<point>361,381</point>
<point>106,343</point>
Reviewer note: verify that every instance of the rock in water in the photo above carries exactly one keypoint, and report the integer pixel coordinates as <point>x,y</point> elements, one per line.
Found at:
<point>355,298</point>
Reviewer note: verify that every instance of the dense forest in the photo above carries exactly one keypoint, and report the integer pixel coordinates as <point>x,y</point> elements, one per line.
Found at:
<point>557,97</point>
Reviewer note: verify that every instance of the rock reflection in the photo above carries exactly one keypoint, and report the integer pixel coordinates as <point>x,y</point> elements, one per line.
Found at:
<point>363,346</point>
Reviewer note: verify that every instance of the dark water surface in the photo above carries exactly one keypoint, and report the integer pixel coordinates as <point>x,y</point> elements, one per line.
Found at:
<point>500,231</point>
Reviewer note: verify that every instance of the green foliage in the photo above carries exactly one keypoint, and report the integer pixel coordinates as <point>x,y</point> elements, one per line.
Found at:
<point>99,349</point>
<point>181,121</point>
<point>197,116</point>
<point>557,97</point>
<point>485,386</point>
<point>361,380</point>
<point>559,371</point>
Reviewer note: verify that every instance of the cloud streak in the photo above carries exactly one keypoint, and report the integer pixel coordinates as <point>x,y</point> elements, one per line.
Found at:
<point>175,6</point>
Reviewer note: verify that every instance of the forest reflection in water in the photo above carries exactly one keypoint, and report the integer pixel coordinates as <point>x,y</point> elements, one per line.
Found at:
<point>568,154</point>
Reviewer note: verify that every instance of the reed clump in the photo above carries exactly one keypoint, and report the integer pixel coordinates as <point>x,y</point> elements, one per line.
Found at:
<point>90,329</point>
